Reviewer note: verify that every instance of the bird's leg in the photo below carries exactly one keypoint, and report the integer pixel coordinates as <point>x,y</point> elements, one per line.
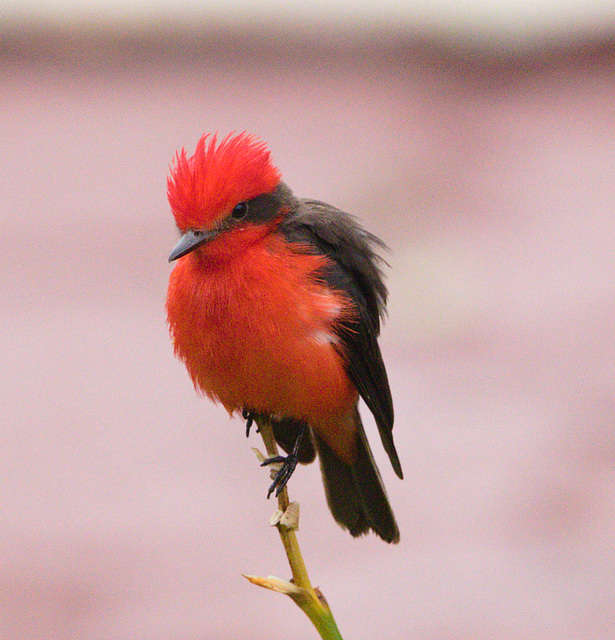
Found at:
<point>289,463</point>
<point>249,416</point>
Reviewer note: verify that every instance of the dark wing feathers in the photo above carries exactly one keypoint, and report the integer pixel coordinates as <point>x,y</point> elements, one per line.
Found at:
<point>340,236</point>
<point>354,269</point>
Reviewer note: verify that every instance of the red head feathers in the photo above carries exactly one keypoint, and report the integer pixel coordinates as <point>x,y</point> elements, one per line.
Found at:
<point>205,187</point>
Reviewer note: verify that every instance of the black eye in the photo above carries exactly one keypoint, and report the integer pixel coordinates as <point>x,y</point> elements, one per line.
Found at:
<point>240,211</point>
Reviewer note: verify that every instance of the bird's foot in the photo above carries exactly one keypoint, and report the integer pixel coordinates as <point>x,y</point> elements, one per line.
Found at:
<point>249,416</point>
<point>282,476</point>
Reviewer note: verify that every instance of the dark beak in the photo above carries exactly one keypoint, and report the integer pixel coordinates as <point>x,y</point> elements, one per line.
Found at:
<point>190,241</point>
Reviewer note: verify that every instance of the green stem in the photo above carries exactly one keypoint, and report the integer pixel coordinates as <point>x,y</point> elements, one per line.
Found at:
<point>310,600</point>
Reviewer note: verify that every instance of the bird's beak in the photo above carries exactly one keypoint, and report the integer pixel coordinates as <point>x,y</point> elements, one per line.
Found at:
<point>189,242</point>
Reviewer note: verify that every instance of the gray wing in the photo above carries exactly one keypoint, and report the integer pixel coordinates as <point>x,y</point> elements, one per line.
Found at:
<point>354,268</point>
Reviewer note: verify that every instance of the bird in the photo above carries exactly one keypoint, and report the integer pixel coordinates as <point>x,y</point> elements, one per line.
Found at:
<point>275,305</point>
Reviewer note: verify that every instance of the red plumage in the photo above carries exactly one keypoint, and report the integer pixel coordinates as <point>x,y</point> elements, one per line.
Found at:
<point>243,343</point>
<point>274,306</point>
<point>205,187</point>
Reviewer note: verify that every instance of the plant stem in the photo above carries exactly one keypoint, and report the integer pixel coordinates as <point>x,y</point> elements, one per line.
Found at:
<point>288,536</point>
<point>310,600</point>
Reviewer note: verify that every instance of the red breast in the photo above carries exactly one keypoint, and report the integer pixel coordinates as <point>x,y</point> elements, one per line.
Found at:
<point>254,325</point>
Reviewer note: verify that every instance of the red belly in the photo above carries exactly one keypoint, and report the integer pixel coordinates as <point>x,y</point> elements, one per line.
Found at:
<point>257,332</point>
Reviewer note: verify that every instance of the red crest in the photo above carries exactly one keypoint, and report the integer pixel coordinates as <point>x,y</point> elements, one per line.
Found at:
<point>205,187</point>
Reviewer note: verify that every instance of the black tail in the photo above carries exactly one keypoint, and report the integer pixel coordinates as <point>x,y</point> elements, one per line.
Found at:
<point>355,493</point>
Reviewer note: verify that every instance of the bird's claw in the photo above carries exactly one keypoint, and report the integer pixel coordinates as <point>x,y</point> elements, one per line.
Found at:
<point>282,476</point>
<point>248,416</point>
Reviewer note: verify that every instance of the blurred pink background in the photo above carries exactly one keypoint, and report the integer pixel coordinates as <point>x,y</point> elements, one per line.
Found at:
<point>129,507</point>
